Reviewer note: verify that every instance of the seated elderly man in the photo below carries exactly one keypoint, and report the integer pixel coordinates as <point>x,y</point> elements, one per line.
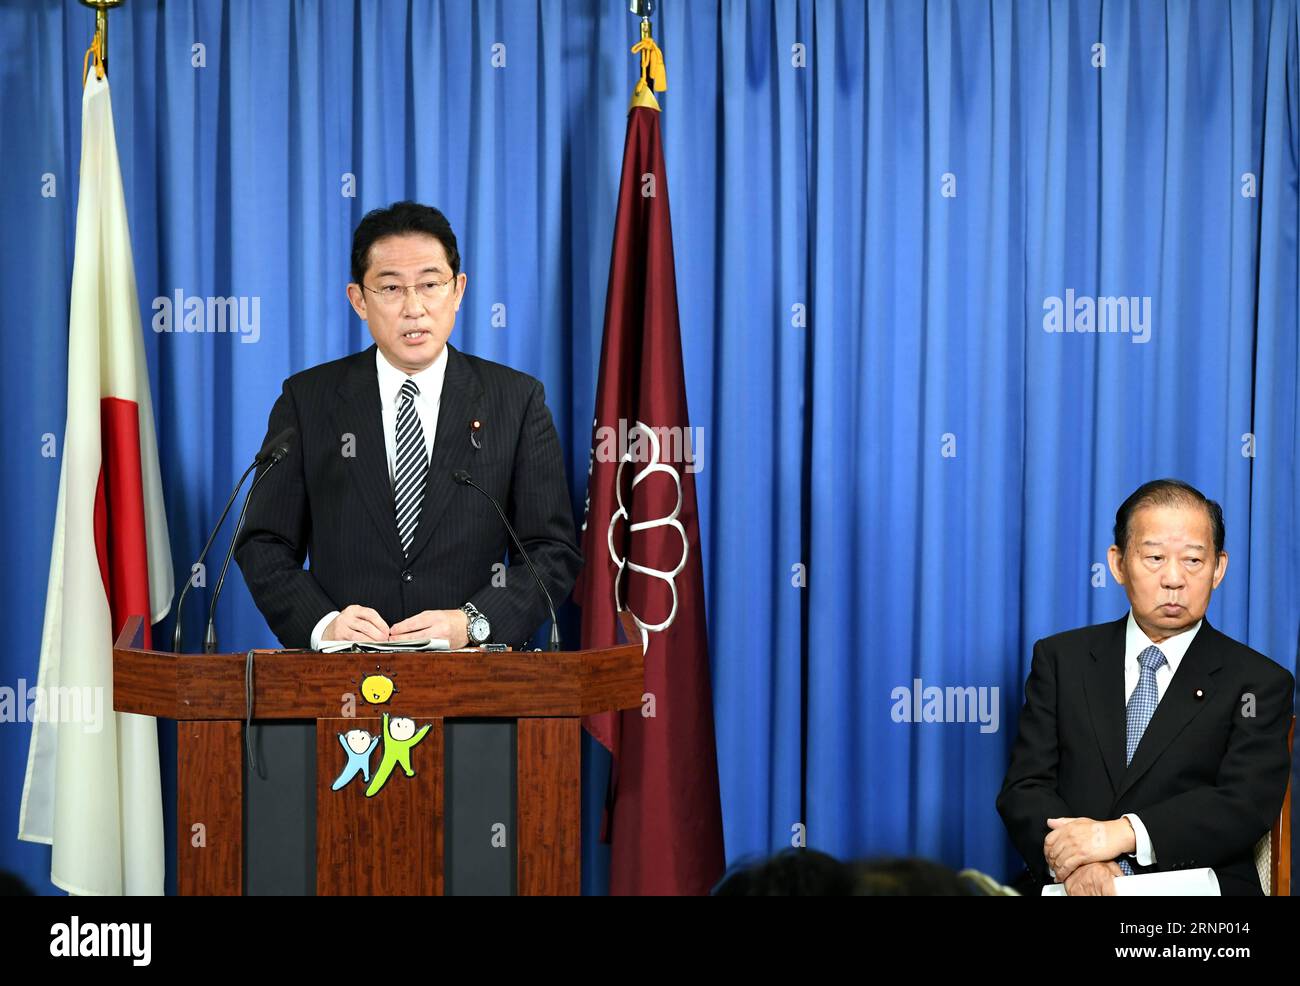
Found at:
<point>1154,742</point>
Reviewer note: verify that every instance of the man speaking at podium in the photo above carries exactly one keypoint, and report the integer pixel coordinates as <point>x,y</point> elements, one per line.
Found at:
<point>398,549</point>
<point>1155,742</point>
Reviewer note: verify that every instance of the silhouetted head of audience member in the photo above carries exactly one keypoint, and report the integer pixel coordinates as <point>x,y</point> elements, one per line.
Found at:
<point>910,877</point>
<point>11,886</point>
<point>809,873</point>
<point>792,873</point>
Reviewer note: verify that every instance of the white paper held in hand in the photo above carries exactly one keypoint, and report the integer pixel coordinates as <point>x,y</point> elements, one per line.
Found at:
<point>1183,883</point>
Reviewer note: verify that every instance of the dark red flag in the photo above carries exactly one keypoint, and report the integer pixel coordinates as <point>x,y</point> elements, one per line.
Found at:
<point>641,544</point>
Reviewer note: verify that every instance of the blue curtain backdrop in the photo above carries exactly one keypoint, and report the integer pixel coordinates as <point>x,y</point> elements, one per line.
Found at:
<point>867,229</point>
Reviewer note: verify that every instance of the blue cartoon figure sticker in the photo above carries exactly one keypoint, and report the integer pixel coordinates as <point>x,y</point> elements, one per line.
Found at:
<point>358,744</point>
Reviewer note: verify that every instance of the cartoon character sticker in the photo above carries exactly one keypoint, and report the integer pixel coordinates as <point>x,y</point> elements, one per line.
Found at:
<point>400,738</point>
<point>377,688</point>
<point>399,735</point>
<point>358,744</point>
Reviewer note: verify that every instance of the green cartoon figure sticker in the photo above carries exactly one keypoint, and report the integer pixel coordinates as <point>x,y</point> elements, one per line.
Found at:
<point>400,738</point>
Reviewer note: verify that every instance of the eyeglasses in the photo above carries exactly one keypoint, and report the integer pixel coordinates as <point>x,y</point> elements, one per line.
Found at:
<point>395,294</point>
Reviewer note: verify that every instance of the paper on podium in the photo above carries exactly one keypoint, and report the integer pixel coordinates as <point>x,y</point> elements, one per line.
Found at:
<point>379,647</point>
<point>1182,883</point>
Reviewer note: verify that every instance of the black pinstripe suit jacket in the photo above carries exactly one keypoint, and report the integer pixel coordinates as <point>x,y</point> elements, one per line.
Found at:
<point>330,502</point>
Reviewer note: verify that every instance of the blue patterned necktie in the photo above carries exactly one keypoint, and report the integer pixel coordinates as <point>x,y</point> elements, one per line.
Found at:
<point>412,466</point>
<point>1141,707</point>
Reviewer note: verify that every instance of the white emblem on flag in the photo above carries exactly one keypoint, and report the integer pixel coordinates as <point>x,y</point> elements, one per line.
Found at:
<point>652,467</point>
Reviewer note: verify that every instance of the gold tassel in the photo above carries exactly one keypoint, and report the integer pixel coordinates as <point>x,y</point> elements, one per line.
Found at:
<point>652,59</point>
<point>95,51</point>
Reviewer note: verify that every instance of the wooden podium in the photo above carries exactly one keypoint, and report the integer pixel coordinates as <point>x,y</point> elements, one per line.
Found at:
<point>391,843</point>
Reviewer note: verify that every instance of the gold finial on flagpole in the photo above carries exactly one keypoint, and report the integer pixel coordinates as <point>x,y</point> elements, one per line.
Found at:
<point>99,45</point>
<point>653,77</point>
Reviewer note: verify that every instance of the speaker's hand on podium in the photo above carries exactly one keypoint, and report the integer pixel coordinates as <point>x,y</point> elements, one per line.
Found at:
<point>451,625</point>
<point>357,623</point>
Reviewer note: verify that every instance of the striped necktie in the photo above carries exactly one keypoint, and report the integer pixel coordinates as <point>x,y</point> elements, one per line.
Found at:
<point>412,466</point>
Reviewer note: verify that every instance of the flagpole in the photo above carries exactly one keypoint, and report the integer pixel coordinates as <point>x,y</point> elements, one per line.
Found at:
<point>101,9</point>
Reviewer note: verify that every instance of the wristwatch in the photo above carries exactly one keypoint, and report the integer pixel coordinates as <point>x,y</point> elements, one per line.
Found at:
<point>478,628</point>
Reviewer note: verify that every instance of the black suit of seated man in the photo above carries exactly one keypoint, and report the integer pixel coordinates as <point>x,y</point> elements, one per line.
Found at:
<point>334,498</point>
<point>1208,768</point>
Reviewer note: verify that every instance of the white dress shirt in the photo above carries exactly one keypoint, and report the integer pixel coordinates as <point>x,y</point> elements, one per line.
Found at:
<point>1135,642</point>
<point>429,380</point>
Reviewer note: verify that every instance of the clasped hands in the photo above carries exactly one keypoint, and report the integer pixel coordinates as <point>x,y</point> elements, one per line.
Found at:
<point>363,623</point>
<point>1082,852</point>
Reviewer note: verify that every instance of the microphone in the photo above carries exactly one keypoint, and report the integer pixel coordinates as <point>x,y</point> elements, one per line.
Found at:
<point>463,478</point>
<point>279,444</point>
<point>277,448</point>
<point>273,452</point>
